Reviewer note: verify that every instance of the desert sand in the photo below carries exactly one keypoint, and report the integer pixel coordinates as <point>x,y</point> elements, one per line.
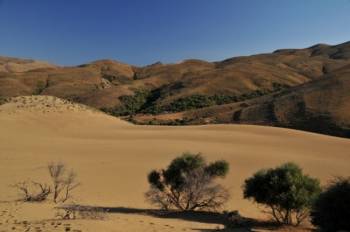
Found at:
<point>112,159</point>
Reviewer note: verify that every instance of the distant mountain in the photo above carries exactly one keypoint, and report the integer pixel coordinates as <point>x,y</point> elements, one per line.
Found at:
<point>306,89</point>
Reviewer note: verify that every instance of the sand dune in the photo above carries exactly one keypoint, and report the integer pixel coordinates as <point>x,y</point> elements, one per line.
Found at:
<point>113,157</point>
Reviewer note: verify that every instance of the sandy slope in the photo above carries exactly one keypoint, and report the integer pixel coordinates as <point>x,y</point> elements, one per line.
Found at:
<point>113,158</point>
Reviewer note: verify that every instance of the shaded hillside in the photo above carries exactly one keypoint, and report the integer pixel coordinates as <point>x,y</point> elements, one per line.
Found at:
<point>321,106</point>
<point>260,89</point>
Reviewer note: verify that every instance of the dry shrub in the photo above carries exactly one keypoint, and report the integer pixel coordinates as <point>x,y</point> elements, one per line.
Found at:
<point>64,181</point>
<point>33,191</point>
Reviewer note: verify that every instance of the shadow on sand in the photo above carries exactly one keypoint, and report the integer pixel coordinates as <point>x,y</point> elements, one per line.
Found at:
<point>193,216</point>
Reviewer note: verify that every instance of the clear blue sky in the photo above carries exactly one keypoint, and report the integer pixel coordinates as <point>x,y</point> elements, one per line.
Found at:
<point>70,32</point>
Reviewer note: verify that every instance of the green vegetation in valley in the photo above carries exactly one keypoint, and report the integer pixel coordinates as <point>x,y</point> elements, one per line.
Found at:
<point>131,104</point>
<point>149,102</point>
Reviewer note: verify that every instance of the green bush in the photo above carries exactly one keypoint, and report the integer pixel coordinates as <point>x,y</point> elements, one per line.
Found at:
<point>223,99</point>
<point>285,191</point>
<point>331,210</point>
<point>188,184</point>
<point>190,102</point>
<point>3,100</point>
<point>40,87</point>
<point>131,104</point>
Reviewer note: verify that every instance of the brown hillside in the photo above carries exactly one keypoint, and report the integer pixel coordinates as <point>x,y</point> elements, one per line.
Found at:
<point>320,106</point>
<point>253,89</point>
<point>10,65</point>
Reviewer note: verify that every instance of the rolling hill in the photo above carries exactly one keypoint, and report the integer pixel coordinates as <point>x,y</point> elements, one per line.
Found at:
<point>304,89</point>
<point>320,106</point>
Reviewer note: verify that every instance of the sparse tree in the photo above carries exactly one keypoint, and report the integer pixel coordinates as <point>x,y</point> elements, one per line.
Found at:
<point>57,171</point>
<point>70,184</point>
<point>285,190</point>
<point>63,181</point>
<point>188,184</point>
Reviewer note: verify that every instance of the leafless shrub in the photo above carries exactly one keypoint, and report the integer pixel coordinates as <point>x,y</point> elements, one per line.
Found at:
<point>33,191</point>
<point>63,181</point>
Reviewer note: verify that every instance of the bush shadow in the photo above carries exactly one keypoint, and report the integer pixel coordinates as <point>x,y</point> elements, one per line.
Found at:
<point>192,216</point>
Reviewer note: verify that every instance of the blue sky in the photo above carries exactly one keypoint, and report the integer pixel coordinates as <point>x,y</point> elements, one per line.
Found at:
<point>140,32</point>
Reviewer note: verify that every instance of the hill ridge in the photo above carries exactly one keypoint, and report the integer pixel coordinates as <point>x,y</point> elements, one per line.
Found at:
<point>242,89</point>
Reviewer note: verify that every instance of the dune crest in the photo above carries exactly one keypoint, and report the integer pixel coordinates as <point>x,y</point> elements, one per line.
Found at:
<point>48,104</point>
<point>44,108</point>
